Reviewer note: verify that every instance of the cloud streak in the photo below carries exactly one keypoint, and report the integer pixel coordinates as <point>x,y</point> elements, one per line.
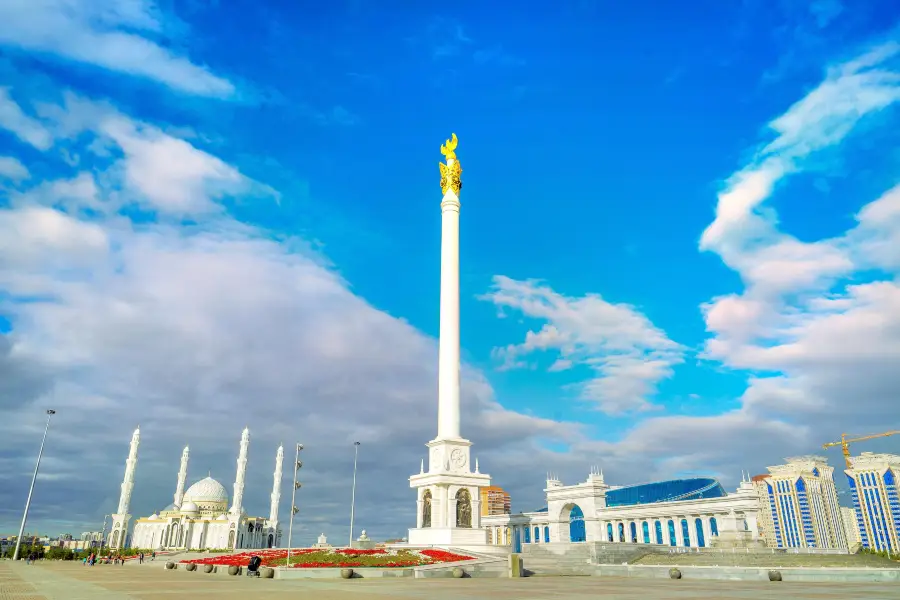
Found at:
<point>626,352</point>
<point>111,34</point>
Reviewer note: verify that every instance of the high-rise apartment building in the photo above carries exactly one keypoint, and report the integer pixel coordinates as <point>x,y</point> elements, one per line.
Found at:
<point>873,482</point>
<point>851,529</point>
<point>765,526</point>
<point>800,505</point>
<point>495,501</point>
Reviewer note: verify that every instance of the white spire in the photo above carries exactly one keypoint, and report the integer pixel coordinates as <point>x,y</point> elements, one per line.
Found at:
<point>237,504</point>
<point>128,481</point>
<point>182,477</point>
<point>476,465</point>
<point>422,467</point>
<point>276,487</point>
<point>448,330</point>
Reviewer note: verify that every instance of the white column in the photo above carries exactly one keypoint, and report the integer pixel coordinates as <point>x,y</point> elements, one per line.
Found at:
<point>707,531</point>
<point>276,487</point>
<point>679,533</point>
<point>182,477</point>
<point>238,500</point>
<point>128,481</point>
<point>476,508</point>
<point>448,344</point>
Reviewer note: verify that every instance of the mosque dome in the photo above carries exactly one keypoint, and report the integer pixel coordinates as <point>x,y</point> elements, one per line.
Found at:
<point>190,508</point>
<point>208,490</point>
<point>208,495</point>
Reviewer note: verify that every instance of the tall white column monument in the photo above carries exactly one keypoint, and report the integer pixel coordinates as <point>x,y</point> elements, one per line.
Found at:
<point>121,518</point>
<point>448,499</point>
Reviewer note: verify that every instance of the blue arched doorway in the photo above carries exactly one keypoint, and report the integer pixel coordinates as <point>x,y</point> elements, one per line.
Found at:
<point>576,525</point>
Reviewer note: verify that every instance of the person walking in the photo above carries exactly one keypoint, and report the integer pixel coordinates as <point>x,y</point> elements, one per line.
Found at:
<point>141,558</point>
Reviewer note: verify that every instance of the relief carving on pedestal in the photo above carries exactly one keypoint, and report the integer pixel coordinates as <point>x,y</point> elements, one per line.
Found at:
<point>426,509</point>
<point>463,508</point>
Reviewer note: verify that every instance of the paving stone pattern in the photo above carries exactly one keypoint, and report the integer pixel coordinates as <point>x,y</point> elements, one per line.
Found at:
<point>770,560</point>
<point>73,581</point>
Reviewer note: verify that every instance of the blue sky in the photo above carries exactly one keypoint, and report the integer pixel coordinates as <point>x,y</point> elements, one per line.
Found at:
<point>677,238</point>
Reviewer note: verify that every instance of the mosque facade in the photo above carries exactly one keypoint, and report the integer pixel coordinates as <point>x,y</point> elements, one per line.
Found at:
<point>200,517</point>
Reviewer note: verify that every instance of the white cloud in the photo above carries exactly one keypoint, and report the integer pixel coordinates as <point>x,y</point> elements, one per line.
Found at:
<point>157,170</point>
<point>823,352</point>
<point>174,176</point>
<point>119,35</point>
<point>626,352</point>
<point>195,333</point>
<point>12,169</point>
<point>35,237</point>
<point>26,128</point>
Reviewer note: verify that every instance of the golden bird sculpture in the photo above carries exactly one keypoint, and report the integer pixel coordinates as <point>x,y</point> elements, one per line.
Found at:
<point>448,147</point>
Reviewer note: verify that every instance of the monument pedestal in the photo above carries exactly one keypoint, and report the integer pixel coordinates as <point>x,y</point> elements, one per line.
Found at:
<point>449,498</point>
<point>447,536</point>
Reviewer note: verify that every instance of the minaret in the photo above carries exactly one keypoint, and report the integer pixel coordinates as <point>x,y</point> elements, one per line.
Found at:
<point>128,482</point>
<point>182,477</point>
<point>448,343</point>
<point>237,504</point>
<point>448,496</point>
<point>276,488</point>
<point>119,531</point>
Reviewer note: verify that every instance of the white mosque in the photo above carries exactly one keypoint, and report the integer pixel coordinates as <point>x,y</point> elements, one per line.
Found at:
<point>200,517</point>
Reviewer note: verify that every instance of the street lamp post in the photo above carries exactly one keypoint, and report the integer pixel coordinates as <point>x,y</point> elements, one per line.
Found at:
<point>50,413</point>
<point>298,464</point>
<point>103,533</point>
<point>353,495</point>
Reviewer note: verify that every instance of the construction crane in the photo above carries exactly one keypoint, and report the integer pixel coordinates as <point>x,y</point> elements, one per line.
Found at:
<point>845,443</point>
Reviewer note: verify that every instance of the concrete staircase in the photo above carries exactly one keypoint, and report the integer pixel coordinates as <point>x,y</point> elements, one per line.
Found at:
<point>557,559</point>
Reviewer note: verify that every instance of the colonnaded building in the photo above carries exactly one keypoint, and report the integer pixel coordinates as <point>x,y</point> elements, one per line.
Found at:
<point>199,518</point>
<point>692,513</point>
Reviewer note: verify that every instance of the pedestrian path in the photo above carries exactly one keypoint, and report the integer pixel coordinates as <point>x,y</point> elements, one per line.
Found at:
<point>72,581</point>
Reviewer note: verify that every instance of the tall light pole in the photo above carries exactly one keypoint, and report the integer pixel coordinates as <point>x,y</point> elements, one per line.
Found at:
<point>50,413</point>
<point>103,533</point>
<point>298,464</point>
<point>353,495</point>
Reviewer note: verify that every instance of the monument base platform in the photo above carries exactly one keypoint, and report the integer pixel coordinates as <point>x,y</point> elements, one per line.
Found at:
<point>447,536</point>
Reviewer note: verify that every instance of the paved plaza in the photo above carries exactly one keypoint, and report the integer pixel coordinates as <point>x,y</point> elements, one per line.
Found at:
<point>72,581</point>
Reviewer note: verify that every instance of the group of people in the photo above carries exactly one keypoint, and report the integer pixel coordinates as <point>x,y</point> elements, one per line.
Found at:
<point>92,559</point>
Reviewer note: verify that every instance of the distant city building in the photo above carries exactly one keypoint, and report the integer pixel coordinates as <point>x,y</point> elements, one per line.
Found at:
<point>873,486</point>
<point>764,521</point>
<point>851,528</point>
<point>92,536</point>
<point>801,503</point>
<point>495,501</point>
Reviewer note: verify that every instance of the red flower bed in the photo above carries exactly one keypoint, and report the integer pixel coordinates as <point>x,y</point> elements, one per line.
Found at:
<point>337,558</point>
<point>243,559</point>
<point>442,556</point>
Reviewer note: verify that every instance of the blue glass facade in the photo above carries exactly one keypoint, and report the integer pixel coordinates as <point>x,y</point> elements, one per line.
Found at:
<point>576,525</point>
<point>878,509</point>
<point>666,491</point>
